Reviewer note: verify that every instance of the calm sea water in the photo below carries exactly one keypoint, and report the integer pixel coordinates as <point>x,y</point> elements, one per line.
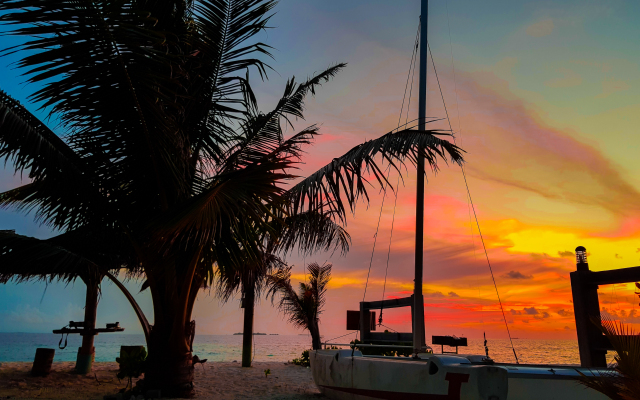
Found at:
<point>22,347</point>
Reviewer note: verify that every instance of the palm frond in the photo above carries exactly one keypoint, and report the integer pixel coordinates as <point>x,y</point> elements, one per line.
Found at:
<point>223,51</point>
<point>344,181</point>
<point>302,308</point>
<point>234,202</point>
<point>310,231</point>
<point>24,258</point>
<point>622,381</point>
<point>290,304</point>
<point>319,277</point>
<point>250,274</point>
<point>30,145</point>
<point>262,134</point>
<point>61,188</point>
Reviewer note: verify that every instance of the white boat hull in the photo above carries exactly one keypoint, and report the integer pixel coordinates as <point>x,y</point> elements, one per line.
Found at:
<point>341,376</point>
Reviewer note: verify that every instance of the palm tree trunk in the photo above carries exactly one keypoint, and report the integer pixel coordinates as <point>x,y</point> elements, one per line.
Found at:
<point>169,365</point>
<point>247,331</point>
<point>314,329</point>
<point>86,353</point>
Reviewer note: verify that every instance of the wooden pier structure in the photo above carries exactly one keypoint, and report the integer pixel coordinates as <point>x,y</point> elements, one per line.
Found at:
<point>592,343</point>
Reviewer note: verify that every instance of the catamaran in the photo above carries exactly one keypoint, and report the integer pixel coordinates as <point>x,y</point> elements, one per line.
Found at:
<point>347,374</point>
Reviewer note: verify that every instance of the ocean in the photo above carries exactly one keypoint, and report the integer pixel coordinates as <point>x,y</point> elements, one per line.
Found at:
<point>22,347</point>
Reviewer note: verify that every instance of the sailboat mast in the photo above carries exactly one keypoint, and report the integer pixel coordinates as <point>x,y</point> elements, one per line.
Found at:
<point>418,301</point>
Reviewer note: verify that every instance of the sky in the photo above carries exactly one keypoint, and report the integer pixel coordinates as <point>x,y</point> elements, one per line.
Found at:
<point>543,96</point>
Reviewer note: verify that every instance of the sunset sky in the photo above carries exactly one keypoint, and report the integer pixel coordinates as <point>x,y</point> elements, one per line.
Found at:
<point>546,104</point>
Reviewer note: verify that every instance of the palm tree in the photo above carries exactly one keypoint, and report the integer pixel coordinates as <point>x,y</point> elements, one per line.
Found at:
<point>303,308</point>
<point>622,382</point>
<point>165,166</point>
<point>251,277</point>
<point>308,231</point>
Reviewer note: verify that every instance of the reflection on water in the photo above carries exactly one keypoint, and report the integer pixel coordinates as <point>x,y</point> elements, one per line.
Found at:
<point>22,347</point>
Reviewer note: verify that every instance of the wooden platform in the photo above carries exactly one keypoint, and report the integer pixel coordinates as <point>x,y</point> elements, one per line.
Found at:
<point>83,331</point>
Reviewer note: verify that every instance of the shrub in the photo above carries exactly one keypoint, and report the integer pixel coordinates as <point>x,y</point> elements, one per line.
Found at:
<point>303,360</point>
<point>131,364</point>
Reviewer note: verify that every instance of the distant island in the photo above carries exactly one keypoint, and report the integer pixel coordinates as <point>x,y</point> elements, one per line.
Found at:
<point>257,333</point>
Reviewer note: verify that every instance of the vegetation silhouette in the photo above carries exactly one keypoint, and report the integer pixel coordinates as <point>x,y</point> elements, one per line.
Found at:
<point>622,380</point>
<point>165,169</point>
<point>304,307</point>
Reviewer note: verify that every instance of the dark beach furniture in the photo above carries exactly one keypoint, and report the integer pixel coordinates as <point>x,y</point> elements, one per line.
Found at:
<point>42,362</point>
<point>124,350</point>
<point>451,341</point>
<point>128,349</point>
<point>87,352</point>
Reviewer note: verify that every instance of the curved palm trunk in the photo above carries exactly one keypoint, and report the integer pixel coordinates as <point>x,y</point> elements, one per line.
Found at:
<point>247,331</point>
<point>314,329</point>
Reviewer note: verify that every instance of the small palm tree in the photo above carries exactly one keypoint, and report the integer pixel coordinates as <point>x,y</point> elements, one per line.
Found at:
<point>623,381</point>
<point>302,308</point>
<point>307,231</point>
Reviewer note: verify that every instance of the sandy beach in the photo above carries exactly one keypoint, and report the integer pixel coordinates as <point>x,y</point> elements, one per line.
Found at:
<point>218,380</point>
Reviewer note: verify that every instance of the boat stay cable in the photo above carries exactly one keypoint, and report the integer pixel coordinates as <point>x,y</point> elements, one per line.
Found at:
<point>455,90</point>
<point>375,239</point>
<point>464,175</point>
<point>412,73</point>
<point>375,236</point>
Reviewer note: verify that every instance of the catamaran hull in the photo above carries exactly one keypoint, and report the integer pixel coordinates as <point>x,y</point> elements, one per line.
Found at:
<point>341,376</point>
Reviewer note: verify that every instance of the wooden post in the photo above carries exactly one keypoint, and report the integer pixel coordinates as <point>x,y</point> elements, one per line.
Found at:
<point>86,353</point>
<point>365,322</point>
<point>586,308</point>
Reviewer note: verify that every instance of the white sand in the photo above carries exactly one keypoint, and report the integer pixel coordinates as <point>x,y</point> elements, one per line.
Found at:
<point>217,380</point>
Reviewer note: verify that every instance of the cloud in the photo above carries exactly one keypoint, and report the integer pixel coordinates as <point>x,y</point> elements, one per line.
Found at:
<point>515,312</point>
<point>568,254</point>
<point>453,294</point>
<point>516,275</point>
<point>530,311</point>
<point>542,316</point>
<point>541,159</point>
<point>566,328</point>
<point>564,313</point>
<point>540,28</point>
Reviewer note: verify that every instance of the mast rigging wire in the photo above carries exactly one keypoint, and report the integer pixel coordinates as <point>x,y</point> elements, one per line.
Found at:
<point>412,72</point>
<point>455,89</point>
<point>386,272</point>
<point>464,175</point>
<point>375,239</point>
<point>411,66</point>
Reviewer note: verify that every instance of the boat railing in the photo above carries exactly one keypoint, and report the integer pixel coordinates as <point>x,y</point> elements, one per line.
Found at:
<point>392,346</point>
